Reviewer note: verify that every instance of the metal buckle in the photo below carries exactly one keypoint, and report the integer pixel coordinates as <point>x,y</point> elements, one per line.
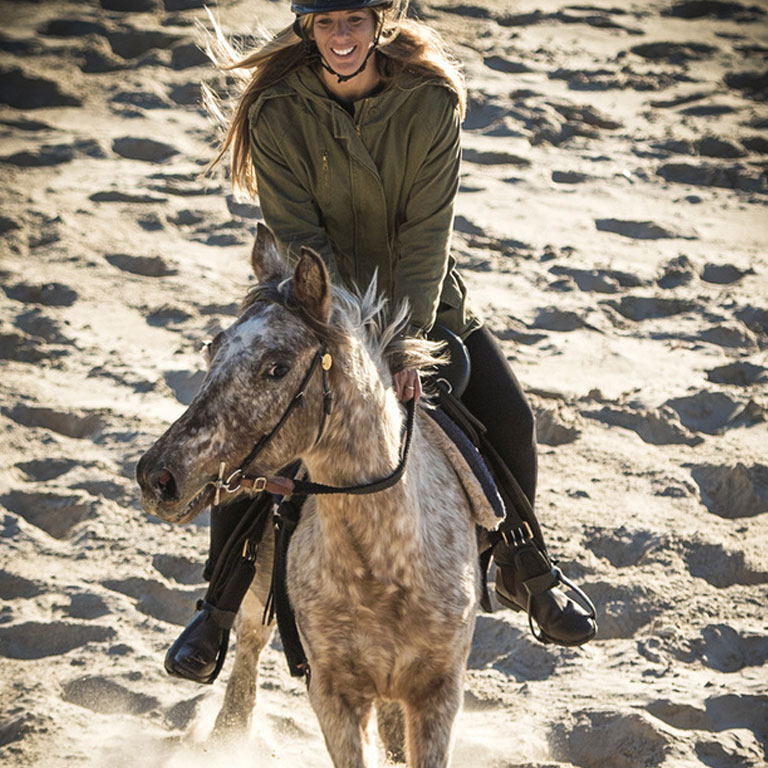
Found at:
<point>259,485</point>
<point>227,486</point>
<point>518,536</point>
<point>219,484</point>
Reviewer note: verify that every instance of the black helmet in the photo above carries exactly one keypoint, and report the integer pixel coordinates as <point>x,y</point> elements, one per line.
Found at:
<point>303,7</point>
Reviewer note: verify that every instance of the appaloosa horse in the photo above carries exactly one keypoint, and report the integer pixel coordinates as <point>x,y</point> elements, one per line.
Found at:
<point>384,586</point>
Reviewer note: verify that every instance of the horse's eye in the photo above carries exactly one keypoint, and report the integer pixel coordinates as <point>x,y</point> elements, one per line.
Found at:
<point>276,371</point>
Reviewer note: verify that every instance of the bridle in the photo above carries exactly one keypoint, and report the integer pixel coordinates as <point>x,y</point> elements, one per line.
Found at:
<point>285,486</point>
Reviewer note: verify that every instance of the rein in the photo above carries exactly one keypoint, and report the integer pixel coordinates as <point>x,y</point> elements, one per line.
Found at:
<point>285,486</point>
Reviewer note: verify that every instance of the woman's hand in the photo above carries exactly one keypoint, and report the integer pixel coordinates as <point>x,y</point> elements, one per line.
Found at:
<point>407,385</point>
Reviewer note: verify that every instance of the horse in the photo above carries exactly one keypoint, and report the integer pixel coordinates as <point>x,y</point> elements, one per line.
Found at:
<point>384,586</point>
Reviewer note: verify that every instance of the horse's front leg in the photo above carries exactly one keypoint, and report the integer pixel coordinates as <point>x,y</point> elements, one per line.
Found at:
<point>343,719</point>
<point>252,635</point>
<point>429,722</point>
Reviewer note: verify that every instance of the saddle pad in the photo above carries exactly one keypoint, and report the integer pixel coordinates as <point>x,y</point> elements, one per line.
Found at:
<point>470,465</point>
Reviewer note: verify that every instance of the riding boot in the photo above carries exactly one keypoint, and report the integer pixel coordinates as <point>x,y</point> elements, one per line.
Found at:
<point>527,580</point>
<point>236,530</point>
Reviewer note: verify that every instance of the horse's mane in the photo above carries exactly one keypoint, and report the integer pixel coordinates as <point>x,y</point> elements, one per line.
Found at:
<point>365,315</point>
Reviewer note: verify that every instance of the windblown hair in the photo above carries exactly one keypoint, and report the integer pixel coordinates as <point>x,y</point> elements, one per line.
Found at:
<point>407,48</point>
<point>368,315</point>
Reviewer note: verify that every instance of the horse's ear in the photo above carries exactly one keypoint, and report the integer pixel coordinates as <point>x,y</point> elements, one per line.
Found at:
<point>312,285</point>
<point>265,257</point>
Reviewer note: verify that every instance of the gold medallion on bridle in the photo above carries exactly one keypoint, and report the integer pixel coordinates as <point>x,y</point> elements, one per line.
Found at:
<point>326,362</point>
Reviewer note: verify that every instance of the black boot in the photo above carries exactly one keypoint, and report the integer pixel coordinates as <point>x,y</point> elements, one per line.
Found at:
<point>526,580</point>
<point>236,531</point>
<point>199,652</point>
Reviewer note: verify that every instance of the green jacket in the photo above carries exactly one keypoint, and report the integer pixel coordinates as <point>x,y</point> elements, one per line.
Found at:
<point>373,191</point>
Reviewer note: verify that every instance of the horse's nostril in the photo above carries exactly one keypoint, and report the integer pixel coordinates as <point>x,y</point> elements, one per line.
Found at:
<point>165,485</point>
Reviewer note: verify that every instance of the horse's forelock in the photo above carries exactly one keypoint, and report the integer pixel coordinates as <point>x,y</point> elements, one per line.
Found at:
<point>367,315</point>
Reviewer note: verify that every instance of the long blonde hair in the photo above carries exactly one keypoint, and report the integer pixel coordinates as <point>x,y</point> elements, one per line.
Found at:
<point>406,48</point>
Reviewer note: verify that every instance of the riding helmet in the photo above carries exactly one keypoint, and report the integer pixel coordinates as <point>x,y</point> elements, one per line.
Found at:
<point>303,7</point>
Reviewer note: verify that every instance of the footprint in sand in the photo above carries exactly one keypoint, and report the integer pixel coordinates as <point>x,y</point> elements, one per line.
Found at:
<point>180,569</point>
<point>740,374</point>
<point>13,586</point>
<point>724,274</point>
<point>721,567</point>
<point>48,294</point>
<point>721,714</point>
<point>36,640</point>
<point>623,548</point>
<point>23,91</point>
<point>594,738</point>
<point>43,470</point>
<point>708,412</point>
<point>641,230</point>
<point>708,175</point>
<point>146,266</point>
<point>732,492</point>
<point>37,323</point>
<point>55,513</point>
<point>622,610</point>
<point>656,426</point>
<point>155,599</point>
<point>722,648</point>
<point>108,697</point>
<point>148,150</point>
<point>639,308</point>
<point>86,605</point>
<point>77,424</point>
<point>500,646</point>
<point>134,43</point>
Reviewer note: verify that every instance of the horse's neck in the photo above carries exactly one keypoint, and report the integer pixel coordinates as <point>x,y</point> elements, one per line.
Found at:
<point>363,445</point>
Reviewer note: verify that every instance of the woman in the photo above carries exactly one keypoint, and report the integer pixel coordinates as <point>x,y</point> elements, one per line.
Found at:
<point>349,129</point>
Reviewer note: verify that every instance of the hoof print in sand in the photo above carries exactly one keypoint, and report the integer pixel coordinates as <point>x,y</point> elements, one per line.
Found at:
<point>724,274</point>
<point>709,412</point>
<point>48,294</point>
<point>641,230</point>
<point>146,266</point>
<point>13,586</point>
<point>180,569</point>
<point>23,91</point>
<point>721,567</point>
<point>36,640</point>
<point>108,697</point>
<point>86,605</point>
<point>657,427</point>
<point>77,424</point>
<point>56,514</point>
<point>148,150</point>
<point>155,599</point>
<point>598,738</point>
<point>498,645</point>
<point>733,491</point>
<point>557,425</point>
<point>739,374</point>
<point>723,648</point>
<point>639,308</point>
<point>622,610</point>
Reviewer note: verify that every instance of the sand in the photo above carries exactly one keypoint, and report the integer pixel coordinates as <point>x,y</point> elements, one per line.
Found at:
<point>612,225</point>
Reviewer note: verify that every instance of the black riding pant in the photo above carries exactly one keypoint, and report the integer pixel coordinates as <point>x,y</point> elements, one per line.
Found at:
<point>494,396</point>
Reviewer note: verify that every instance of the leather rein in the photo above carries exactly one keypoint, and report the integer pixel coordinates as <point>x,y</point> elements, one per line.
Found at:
<point>285,486</point>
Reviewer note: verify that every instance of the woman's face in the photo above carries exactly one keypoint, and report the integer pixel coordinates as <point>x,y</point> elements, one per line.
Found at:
<point>344,37</point>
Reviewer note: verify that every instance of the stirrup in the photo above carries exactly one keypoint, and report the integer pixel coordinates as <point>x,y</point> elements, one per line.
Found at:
<point>221,619</point>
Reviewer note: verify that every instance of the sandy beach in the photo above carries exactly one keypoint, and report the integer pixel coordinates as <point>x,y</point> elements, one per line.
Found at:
<point>613,229</point>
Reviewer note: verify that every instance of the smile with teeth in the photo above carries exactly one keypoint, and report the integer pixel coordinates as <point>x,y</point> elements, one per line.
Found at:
<point>343,51</point>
